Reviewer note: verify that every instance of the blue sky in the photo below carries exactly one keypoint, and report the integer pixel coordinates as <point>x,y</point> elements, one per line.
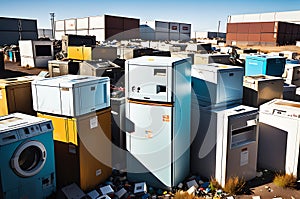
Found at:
<point>203,15</point>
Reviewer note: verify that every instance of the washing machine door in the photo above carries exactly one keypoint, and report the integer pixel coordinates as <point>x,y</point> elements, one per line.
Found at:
<point>29,158</point>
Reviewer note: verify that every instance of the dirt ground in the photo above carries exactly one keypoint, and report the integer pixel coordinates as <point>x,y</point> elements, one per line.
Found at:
<point>265,188</point>
<point>268,49</point>
<point>14,69</point>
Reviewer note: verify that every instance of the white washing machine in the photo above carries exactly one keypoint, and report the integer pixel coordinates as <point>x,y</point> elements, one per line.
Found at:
<point>279,136</point>
<point>27,157</point>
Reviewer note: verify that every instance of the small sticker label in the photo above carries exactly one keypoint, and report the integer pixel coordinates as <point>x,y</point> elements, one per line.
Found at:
<point>56,70</point>
<point>93,122</point>
<point>223,66</point>
<point>244,157</point>
<point>98,172</point>
<point>64,89</point>
<point>166,118</point>
<point>148,134</point>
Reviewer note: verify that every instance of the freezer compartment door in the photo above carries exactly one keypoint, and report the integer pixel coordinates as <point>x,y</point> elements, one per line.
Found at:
<point>150,83</point>
<point>150,141</point>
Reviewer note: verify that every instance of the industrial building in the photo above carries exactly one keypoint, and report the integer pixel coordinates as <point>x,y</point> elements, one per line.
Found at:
<point>289,16</point>
<point>267,29</point>
<point>262,33</point>
<point>208,35</point>
<point>105,27</point>
<point>13,29</point>
<point>165,31</point>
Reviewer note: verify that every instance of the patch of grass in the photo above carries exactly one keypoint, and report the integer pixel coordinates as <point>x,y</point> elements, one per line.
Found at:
<point>285,180</point>
<point>234,185</point>
<point>185,195</point>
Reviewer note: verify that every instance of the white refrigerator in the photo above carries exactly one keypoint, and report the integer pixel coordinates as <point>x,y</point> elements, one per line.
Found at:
<point>158,101</point>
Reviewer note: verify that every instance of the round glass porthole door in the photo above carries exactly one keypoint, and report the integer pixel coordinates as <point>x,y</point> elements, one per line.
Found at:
<point>29,158</point>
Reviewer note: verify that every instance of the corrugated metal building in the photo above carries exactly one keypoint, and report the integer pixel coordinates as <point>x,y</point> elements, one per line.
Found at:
<point>13,29</point>
<point>208,35</point>
<point>105,27</point>
<point>289,16</point>
<point>262,33</point>
<point>160,30</point>
<point>274,28</point>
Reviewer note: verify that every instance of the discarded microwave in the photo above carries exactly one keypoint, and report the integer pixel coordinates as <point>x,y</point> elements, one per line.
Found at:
<point>71,95</point>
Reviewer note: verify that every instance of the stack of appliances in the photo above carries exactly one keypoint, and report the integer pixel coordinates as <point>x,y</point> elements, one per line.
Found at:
<point>158,99</point>
<point>280,126</point>
<point>116,75</point>
<point>59,68</point>
<point>27,168</point>
<point>258,89</point>
<point>15,96</point>
<point>265,65</point>
<point>224,133</point>
<point>79,107</point>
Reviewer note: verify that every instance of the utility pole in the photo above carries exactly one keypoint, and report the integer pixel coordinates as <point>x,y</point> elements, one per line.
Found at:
<point>52,15</point>
<point>219,23</point>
